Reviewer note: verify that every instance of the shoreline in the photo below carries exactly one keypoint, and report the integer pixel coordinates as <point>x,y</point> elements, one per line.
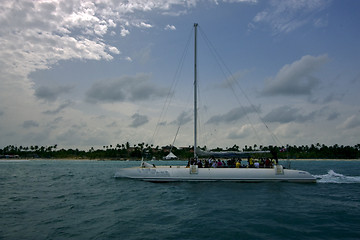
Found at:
<point>318,159</point>
<point>109,159</point>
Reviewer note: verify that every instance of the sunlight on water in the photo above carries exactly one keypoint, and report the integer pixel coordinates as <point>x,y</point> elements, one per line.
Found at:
<point>333,177</point>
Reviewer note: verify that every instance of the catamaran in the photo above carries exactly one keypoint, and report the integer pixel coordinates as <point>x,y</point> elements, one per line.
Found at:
<point>192,172</point>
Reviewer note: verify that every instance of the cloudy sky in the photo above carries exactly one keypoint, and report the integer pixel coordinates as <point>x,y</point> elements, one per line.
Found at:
<point>84,74</point>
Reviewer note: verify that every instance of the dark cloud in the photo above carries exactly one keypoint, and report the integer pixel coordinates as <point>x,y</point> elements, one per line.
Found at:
<point>162,123</point>
<point>287,114</point>
<point>30,124</point>
<point>58,109</point>
<point>106,92</point>
<point>333,116</point>
<point>183,118</point>
<point>111,125</point>
<point>55,123</point>
<point>127,88</point>
<point>233,115</point>
<point>51,93</point>
<point>296,78</point>
<point>138,120</point>
<point>356,79</point>
<point>333,97</point>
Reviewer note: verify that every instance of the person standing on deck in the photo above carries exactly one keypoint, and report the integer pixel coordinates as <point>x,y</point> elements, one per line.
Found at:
<point>250,162</point>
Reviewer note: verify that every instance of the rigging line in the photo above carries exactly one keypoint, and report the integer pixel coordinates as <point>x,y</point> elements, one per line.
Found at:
<point>203,138</point>
<point>202,129</point>
<point>172,87</point>
<point>180,122</point>
<point>221,65</point>
<point>273,136</point>
<point>199,126</point>
<point>218,58</point>
<point>172,145</point>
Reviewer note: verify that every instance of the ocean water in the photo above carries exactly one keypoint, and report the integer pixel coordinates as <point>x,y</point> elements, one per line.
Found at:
<point>49,199</point>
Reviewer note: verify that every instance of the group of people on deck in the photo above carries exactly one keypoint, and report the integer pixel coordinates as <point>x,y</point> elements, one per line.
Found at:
<point>233,163</point>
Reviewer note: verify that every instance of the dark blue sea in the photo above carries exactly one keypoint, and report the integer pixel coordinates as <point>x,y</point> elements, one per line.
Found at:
<point>49,199</point>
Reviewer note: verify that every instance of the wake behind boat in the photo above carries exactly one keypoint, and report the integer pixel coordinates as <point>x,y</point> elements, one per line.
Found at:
<point>195,171</point>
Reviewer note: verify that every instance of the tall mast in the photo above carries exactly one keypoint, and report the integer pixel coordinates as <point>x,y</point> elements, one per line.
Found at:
<point>195,91</point>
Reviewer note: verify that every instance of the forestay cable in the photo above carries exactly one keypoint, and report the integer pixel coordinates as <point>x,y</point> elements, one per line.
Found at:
<point>172,88</point>
<point>222,65</point>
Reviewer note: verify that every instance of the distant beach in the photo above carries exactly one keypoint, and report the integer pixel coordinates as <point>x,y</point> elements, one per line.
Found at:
<point>160,160</point>
<point>319,159</point>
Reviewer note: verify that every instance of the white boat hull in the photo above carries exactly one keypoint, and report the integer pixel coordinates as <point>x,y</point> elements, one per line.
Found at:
<point>180,173</point>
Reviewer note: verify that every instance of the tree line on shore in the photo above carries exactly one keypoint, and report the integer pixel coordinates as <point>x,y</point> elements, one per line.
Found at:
<point>136,151</point>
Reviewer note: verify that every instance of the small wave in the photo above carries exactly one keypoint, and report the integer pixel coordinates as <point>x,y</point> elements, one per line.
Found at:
<point>70,175</point>
<point>333,177</point>
<point>14,160</point>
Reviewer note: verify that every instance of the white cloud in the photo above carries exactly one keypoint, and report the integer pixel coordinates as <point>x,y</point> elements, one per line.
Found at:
<point>175,13</point>
<point>124,32</point>
<point>296,78</point>
<point>38,34</point>
<point>320,22</point>
<point>170,27</point>
<point>289,131</point>
<point>144,25</point>
<point>113,50</point>
<point>286,16</point>
<point>239,1</point>
<point>128,59</point>
<point>240,133</point>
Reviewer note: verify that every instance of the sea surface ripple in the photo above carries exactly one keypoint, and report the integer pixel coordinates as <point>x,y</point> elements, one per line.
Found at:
<point>53,199</point>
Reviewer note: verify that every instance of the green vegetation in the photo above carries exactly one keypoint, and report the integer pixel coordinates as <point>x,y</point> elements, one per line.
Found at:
<point>118,151</point>
<point>127,151</point>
